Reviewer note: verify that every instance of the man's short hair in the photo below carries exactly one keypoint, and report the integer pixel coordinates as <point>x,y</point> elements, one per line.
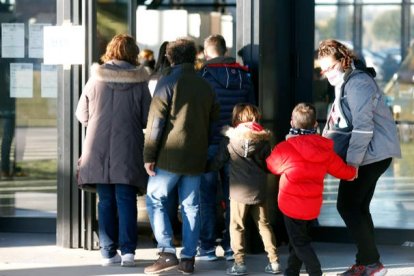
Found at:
<point>217,42</point>
<point>304,116</point>
<point>180,51</point>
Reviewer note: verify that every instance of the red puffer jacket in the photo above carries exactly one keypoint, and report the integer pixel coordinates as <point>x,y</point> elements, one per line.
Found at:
<point>303,161</point>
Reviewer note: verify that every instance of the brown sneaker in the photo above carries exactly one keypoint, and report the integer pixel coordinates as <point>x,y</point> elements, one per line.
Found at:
<point>186,265</point>
<point>166,261</point>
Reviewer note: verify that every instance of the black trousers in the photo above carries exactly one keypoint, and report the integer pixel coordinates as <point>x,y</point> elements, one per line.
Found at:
<point>300,249</point>
<point>354,198</point>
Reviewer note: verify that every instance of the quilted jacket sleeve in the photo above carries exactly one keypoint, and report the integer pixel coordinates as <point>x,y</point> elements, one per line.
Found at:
<point>339,169</point>
<point>275,161</point>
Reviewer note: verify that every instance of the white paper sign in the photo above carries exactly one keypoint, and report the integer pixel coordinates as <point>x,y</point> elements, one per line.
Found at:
<point>36,40</point>
<point>21,80</point>
<point>12,40</point>
<point>49,81</point>
<point>64,45</point>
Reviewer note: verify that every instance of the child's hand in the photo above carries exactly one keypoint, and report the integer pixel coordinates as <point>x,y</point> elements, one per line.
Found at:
<point>356,175</point>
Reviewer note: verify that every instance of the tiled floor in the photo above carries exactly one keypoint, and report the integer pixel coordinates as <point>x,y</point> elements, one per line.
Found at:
<point>37,255</point>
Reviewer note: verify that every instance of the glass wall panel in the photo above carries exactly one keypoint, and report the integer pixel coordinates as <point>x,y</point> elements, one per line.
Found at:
<point>28,130</point>
<point>382,39</point>
<point>393,203</point>
<point>169,23</point>
<point>332,1</point>
<point>112,19</point>
<point>380,2</point>
<point>333,21</point>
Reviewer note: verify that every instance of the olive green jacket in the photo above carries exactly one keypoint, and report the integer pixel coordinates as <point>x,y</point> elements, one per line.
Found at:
<point>179,122</point>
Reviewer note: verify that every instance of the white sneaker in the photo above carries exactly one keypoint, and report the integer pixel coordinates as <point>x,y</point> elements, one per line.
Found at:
<point>115,260</point>
<point>128,260</point>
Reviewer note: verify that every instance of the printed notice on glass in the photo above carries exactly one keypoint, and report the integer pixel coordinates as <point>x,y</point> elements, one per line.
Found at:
<point>21,80</point>
<point>12,40</point>
<point>49,81</point>
<point>36,40</point>
<point>64,45</point>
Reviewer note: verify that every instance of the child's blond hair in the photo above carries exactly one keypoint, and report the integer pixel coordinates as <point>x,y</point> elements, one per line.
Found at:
<point>244,112</point>
<point>304,116</point>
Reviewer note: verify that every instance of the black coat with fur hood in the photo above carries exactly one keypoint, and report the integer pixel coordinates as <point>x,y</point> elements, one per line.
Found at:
<point>114,107</point>
<point>246,147</point>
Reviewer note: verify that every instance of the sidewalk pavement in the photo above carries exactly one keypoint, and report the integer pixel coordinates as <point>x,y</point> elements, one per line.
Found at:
<point>23,254</point>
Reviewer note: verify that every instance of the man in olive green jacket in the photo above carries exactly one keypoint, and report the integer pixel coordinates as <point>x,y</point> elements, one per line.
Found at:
<point>175,153</point>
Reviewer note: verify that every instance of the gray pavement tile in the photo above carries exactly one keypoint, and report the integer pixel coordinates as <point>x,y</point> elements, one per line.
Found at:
<point>36,254</point>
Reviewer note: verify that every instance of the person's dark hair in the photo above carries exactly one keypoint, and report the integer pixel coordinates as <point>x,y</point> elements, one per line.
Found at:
<point>217,42</point>
<point>338,51</point>
<point>122,47</point>
<point>304,116</point>
<point>244,112</point>
<point>162,61</point>
<point>180,51</point>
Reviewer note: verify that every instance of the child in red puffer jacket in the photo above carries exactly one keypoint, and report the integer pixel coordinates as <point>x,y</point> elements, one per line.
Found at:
<point>303,160</point>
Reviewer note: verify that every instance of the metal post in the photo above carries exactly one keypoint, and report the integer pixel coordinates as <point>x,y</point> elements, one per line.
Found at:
<point>405,28</point>
<point>275,39</point>
<point>88,200</point>
<point>132,17</point>
<point>64,220</point>
<point>357,27</point>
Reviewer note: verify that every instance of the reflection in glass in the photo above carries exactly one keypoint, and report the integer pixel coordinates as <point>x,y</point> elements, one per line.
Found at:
<point>112,19</point>
<point>333,22</point>
<point>28,130</point>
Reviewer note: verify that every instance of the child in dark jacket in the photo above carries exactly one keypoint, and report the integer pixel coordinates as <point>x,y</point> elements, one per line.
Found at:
<point>246,146</point>
<point>303,160</point>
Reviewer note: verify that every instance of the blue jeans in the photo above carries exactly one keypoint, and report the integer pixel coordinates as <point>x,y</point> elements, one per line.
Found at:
<point>158,191</point>
<point>208,205</point>
<point>117,218</point>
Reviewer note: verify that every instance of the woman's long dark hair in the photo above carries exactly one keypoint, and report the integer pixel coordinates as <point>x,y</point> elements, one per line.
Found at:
<point>162,61</point>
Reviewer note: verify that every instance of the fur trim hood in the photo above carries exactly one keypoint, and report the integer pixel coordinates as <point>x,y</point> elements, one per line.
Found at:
<point>246,141</point>
<point>244,131</point>
<point>116,71</point>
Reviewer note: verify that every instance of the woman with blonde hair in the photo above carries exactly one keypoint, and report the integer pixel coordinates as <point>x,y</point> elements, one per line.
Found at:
<point>114,108</point>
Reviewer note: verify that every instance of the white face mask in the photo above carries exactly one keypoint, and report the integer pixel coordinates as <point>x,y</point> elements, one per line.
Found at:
<point>335,76</point>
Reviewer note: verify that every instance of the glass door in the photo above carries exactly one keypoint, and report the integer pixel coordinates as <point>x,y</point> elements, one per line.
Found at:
<point>28,125</point>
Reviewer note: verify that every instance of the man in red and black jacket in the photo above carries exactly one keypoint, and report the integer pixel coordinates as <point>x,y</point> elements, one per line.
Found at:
<point>232,84</point>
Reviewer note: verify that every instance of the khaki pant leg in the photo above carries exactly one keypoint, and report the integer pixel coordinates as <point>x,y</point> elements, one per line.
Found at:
<point>238,213</point>
<point>260,217</point>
